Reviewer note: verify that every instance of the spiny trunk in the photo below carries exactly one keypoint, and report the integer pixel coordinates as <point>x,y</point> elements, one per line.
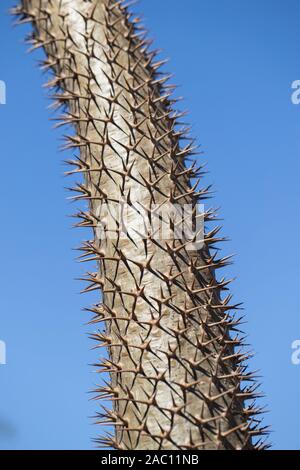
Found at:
<point>175,374</point>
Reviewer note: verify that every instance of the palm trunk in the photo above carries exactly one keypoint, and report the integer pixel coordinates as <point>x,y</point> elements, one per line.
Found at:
<point>175,374</point>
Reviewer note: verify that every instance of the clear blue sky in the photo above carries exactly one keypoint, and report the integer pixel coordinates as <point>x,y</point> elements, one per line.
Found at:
<point>235,61</point>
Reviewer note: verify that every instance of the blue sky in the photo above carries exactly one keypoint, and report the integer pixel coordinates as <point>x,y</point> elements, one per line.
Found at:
<point>235,62</point>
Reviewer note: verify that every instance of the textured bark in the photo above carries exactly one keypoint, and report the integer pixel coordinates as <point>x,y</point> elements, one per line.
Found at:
<point>175,373</point>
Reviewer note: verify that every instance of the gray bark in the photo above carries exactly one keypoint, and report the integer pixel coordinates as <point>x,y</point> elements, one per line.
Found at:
<point>175,375</point>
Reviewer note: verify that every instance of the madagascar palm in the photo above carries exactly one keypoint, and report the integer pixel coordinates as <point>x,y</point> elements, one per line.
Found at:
<point>174,359</point>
